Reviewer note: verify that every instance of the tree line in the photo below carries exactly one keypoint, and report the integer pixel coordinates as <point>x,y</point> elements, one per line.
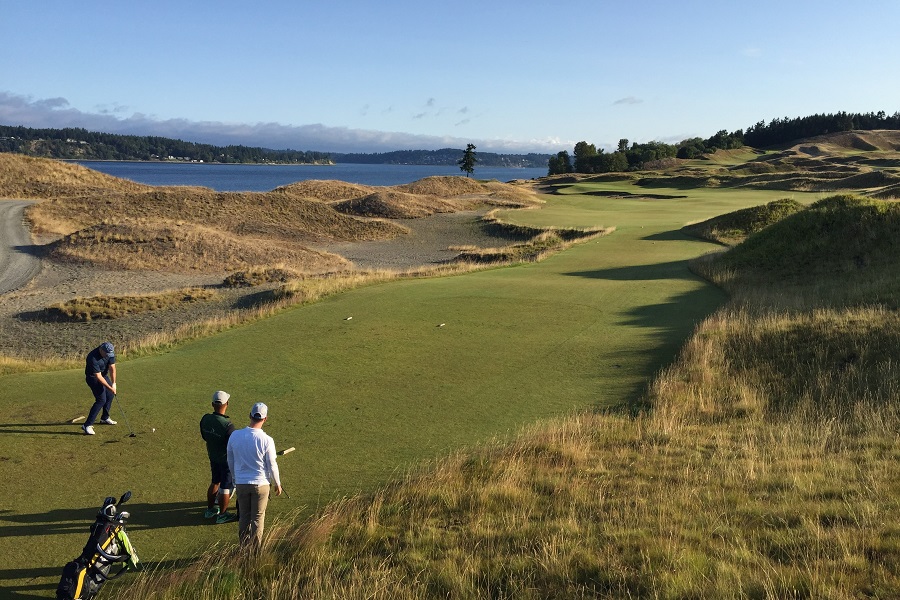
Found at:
<point>588,159</point>
<point>78,143</point>
<point>442,157</point>
<point>783,131</point>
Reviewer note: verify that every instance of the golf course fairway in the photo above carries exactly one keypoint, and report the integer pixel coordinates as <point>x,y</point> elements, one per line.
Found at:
<point>363,398</point>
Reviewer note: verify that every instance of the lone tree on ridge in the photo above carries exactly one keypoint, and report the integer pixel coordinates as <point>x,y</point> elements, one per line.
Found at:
<point>467,162</point>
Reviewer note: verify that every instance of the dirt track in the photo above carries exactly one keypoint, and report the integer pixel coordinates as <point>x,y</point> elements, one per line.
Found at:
<point>17,265</point>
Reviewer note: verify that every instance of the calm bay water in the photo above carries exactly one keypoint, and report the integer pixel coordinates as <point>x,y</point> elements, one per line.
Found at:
<point>261,178</point>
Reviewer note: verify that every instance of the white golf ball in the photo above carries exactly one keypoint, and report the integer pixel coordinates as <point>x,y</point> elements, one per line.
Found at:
<point>153,430</point>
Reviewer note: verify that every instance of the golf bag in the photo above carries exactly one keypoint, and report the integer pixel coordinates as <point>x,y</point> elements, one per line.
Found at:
<point>108,544</point>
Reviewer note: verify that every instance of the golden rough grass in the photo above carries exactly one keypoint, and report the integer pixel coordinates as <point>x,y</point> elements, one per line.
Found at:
<point>882,140</point>
<point>113,307</point>
<point>390,204</point>
<point>326,190</point>
<point>147,244</point>
<point>256,213</point>
<point>40,178</point>
<point>490,192</point>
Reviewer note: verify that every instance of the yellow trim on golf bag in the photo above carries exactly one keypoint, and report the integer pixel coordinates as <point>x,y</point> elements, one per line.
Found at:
<point>80,585</point>
<point>94,560</point>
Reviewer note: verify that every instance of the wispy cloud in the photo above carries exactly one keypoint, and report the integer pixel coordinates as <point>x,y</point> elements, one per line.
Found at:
<point>751,52</point>
<point>628,100</point>
<point>57,113</point>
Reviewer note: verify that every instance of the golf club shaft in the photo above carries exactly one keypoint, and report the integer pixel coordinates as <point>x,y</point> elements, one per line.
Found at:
<point>130,430</point>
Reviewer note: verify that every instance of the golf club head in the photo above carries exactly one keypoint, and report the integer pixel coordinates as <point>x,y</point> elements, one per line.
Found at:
<point>109,500</point>
<point>125,497</point>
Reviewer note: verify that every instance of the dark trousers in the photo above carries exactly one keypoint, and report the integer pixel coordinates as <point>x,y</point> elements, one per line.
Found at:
<point>102,400</point>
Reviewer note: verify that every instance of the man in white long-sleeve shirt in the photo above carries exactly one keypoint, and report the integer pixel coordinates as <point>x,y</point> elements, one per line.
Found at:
<point>251,458</point>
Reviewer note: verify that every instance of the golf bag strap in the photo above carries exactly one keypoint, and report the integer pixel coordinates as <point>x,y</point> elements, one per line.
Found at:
<point>111,557</point>
<point>115,575</point>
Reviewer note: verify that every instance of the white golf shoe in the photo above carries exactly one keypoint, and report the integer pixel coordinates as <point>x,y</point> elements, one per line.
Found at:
<point>87,429</point>
<point>108,421</point>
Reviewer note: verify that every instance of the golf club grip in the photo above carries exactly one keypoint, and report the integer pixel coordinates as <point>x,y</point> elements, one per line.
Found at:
<point>285,451</point>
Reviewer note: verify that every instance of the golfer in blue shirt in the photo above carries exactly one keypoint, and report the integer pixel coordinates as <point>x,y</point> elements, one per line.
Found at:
<point>100,375</point>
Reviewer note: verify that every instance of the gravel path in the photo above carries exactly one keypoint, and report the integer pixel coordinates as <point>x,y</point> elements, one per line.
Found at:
<point>24,333</point>
<point>17,265</point>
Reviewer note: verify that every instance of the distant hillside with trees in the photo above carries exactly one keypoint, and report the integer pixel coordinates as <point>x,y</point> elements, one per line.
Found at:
<point>444,156</point>
<point>778,132</point>
<point>786,131</point>
<point>81,144</point>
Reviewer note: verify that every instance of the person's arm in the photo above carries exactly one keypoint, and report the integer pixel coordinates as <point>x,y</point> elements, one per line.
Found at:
<point>272,466</point>
<point>103,382</point>
<point>230,453</point>
<point>112,376</point>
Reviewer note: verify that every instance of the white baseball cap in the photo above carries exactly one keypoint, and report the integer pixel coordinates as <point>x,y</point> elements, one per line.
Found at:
<point>221,397</point>
<point>259,411</point>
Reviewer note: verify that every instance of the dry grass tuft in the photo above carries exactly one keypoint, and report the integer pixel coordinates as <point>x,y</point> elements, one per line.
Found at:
<point>260,276</point>
<point>113,307</point>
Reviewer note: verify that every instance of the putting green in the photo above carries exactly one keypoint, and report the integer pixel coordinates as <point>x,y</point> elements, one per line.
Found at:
<point>361,399</point>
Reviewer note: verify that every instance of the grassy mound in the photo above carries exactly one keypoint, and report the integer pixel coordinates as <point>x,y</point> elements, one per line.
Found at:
<point>263,215</point>
<point>39,178</point>
<point>113,307</point>
<point>867,141</point>
<point>487,192</point>
<point>326,190</point>
<point>840,234</point>
<point>185,247</point>
<point>390,204</point>
<point>733,228</point>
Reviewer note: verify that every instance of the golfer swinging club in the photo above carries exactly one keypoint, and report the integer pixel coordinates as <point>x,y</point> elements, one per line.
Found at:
<point>251,459</point>
<point>100,375</point>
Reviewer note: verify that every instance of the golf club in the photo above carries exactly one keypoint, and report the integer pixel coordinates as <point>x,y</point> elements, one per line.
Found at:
<point>131,431</point>
<point>282,453</point>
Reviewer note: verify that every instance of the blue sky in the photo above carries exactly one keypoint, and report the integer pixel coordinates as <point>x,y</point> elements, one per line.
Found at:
<point>508,76</point>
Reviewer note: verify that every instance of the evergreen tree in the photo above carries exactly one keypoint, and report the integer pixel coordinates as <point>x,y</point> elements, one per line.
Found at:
<point>467,162</point>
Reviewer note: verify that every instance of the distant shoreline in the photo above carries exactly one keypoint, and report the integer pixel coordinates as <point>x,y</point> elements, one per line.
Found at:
<point>193,162</point>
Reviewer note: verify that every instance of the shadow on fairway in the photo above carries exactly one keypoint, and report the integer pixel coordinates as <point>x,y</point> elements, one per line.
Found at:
<point>29,429</point>
<point>46,588</point>
<point>65,521</point>
<point>669,270</point>
<point>41,582</point>
<point>673,235</point>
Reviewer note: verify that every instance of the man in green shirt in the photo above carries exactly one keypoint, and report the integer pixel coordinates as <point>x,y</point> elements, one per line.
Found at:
<point>216,428</point>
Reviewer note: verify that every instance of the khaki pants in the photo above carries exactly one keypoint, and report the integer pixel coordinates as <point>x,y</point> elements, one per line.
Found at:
<point>252,501</point>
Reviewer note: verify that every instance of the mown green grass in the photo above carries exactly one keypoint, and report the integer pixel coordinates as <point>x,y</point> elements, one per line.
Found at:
<point>365,398</point>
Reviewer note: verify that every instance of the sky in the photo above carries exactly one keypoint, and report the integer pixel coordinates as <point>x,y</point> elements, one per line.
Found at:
<point>510,76</point>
